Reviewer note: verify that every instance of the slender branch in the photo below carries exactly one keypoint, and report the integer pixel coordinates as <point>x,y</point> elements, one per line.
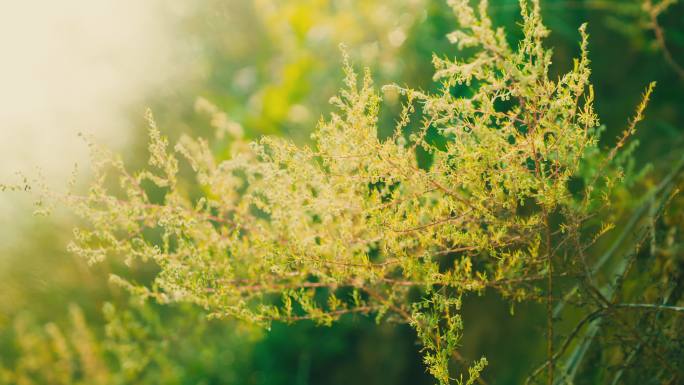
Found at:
<point>549,301</point>
<point>651,306</point>
<point>589,317</point>
<point>659,32</point>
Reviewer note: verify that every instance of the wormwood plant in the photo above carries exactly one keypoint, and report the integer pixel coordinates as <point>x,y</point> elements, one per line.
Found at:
<point>516,190</point>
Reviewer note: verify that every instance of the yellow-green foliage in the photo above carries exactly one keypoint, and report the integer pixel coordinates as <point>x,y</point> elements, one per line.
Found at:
<point>355,223</point>
<point>139,345</point>
<point>55,356</point>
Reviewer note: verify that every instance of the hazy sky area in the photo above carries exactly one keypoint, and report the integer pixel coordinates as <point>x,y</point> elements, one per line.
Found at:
<point>73,66</point>
<point>78,66</point>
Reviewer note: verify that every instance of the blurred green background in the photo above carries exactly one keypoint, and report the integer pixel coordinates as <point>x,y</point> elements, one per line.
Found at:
<point>272,65</point>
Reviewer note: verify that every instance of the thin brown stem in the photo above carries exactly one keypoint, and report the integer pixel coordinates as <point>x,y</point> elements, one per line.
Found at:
<point>660,39</point>
<point>549,301</point>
